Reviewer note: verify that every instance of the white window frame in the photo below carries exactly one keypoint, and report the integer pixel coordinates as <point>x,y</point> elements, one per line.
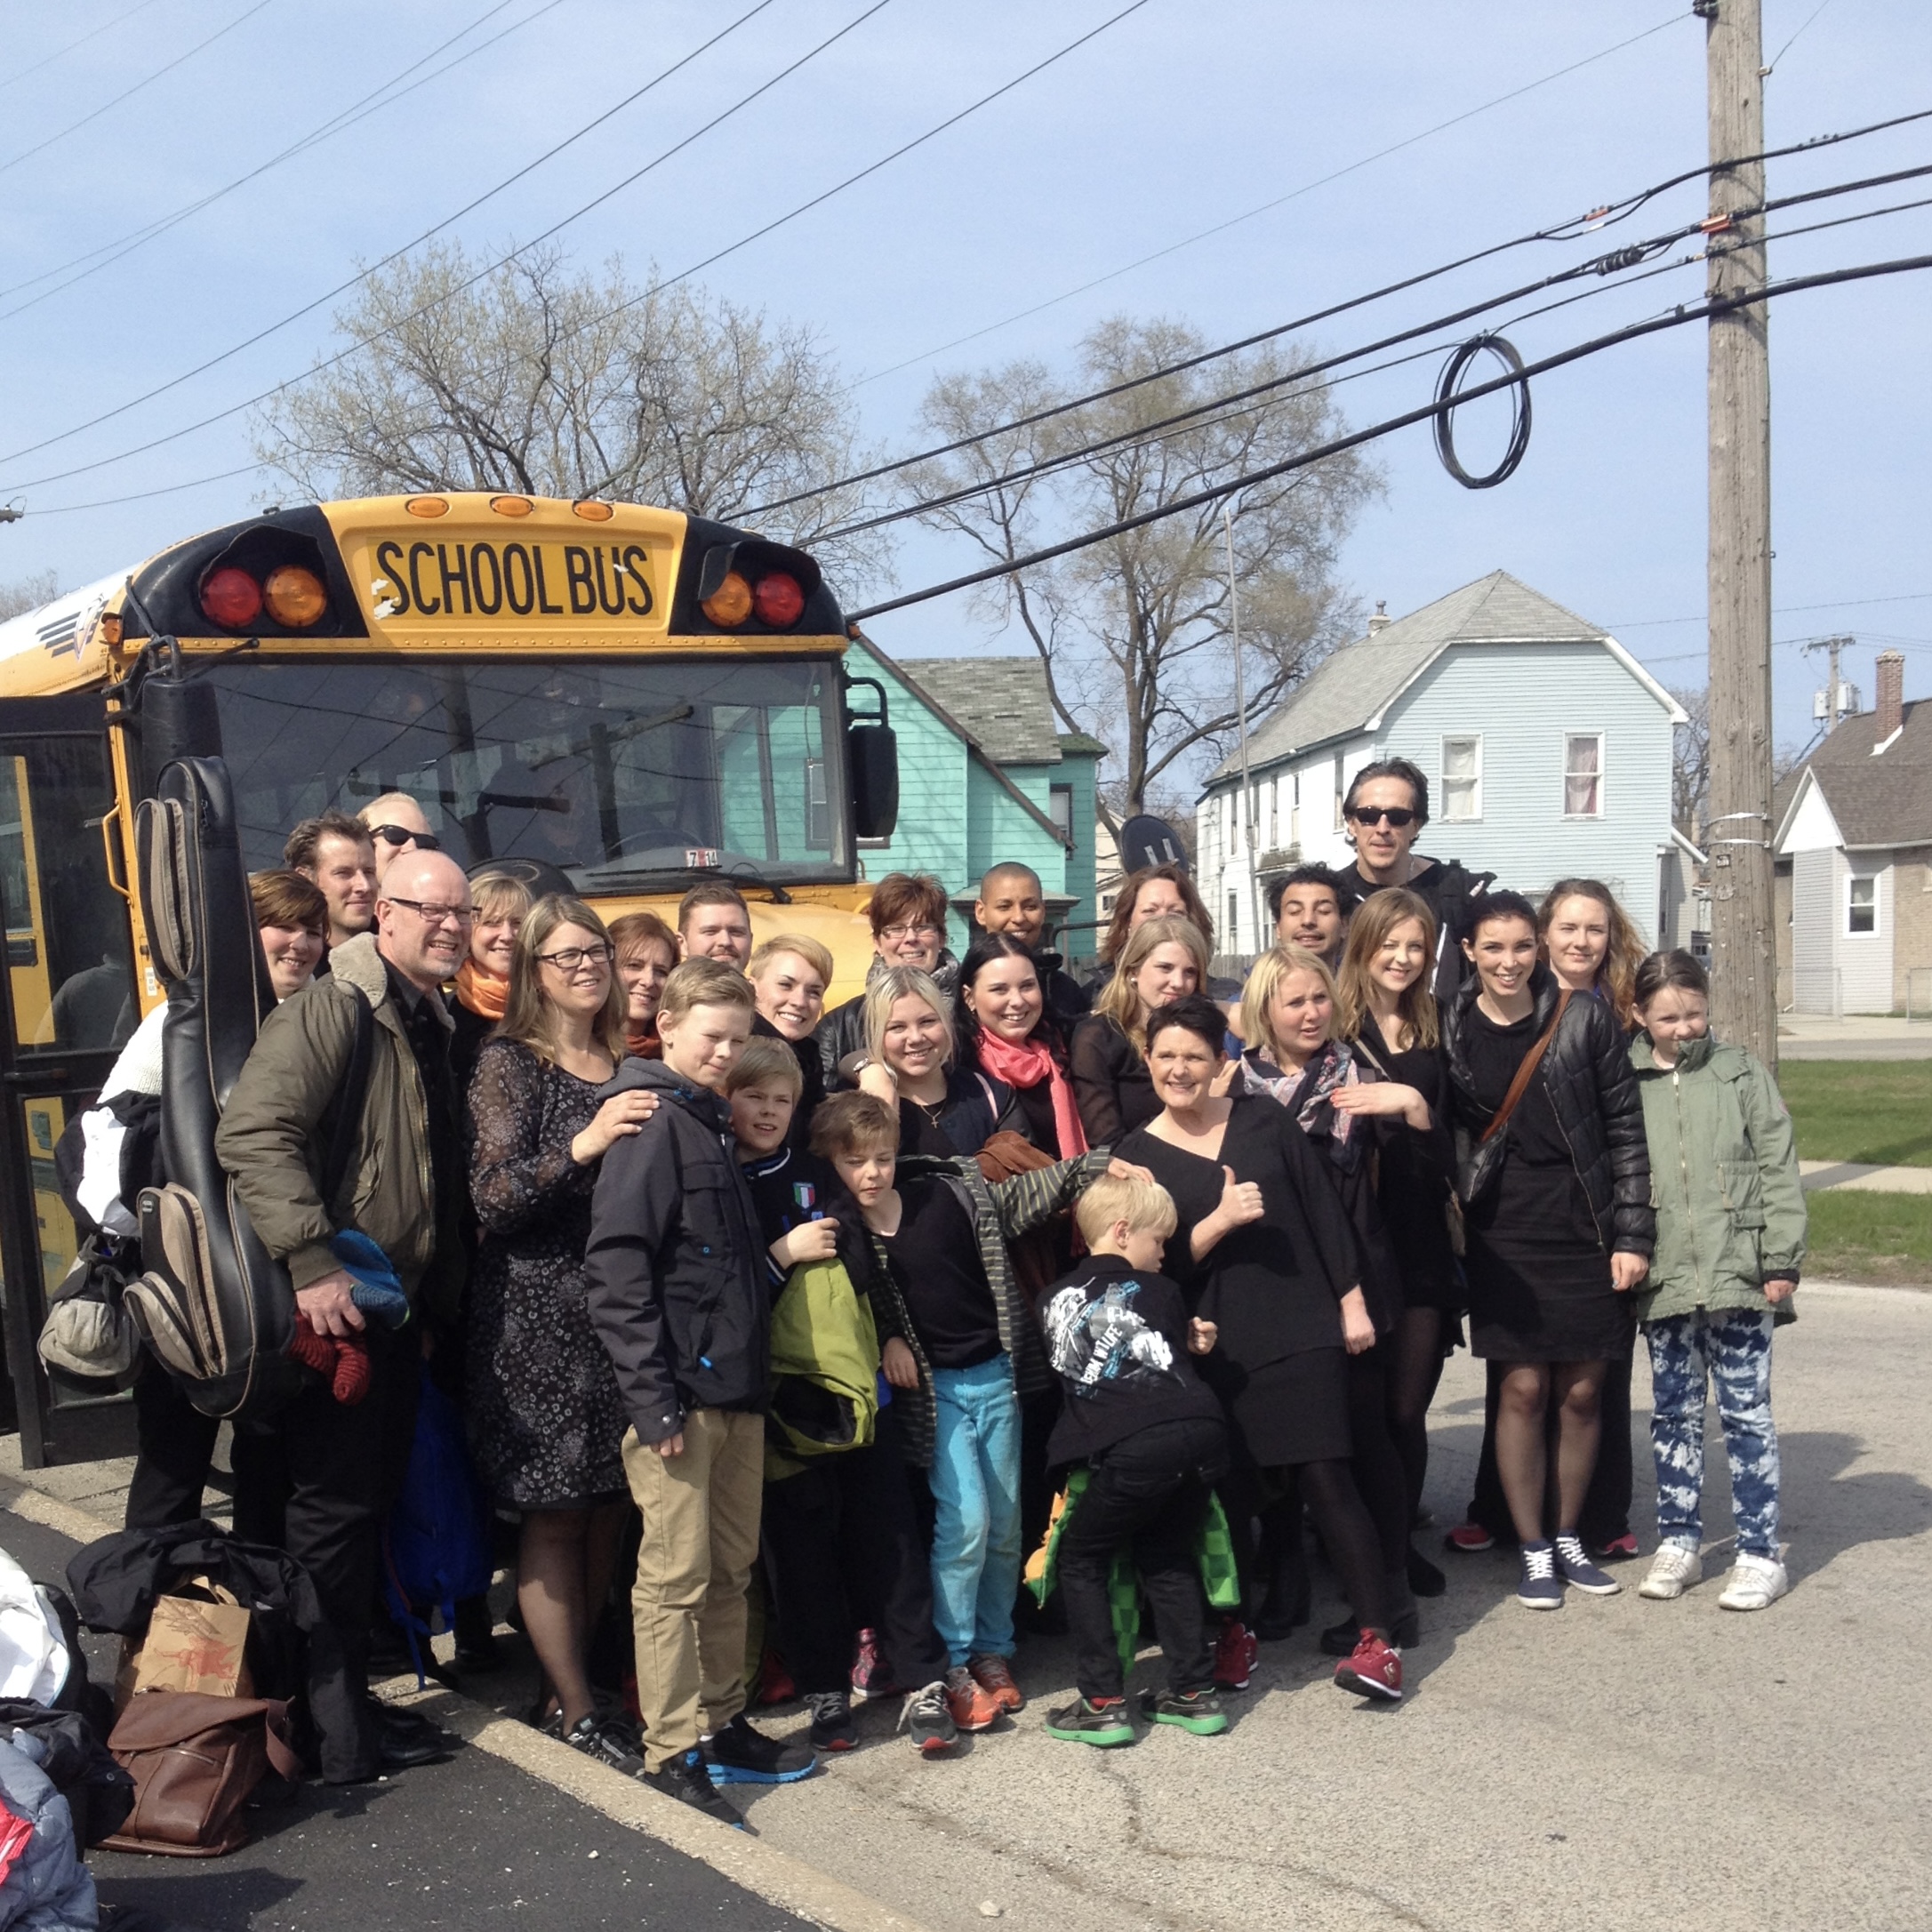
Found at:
<point>1475,815</point>
<point>1602,775</point>
<point>1855,879</point>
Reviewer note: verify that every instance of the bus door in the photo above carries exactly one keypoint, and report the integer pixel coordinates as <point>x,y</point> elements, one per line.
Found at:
<point>68,1001</point>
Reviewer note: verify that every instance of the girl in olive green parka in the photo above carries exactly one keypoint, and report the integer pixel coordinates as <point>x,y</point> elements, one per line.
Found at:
<point>1730,1240</point>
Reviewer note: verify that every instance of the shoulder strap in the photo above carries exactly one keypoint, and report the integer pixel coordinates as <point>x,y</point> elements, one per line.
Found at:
<point>1520,1085</point>
<point>349,1097</point>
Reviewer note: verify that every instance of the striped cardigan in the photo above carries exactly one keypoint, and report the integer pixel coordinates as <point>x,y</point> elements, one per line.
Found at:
<point>1000,1212</point>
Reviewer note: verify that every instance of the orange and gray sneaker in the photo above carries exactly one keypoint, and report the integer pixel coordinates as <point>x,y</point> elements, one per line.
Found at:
<point>974,1708</point>
<point>994,1675</point>
<point>1375,1670</point>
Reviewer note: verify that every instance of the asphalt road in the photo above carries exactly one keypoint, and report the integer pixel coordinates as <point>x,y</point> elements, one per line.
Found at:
<point>471,1843</point>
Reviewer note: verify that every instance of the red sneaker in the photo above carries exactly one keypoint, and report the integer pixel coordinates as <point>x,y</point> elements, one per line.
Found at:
<point>773,1684</point>
<point>868,1675</point>
<point>1468,1538</point>
<point>1234,1655</point>
<point>1617,1550</point>
<point>994,1676</point>
<point>1375,1670</point>
<point>973,1707</point>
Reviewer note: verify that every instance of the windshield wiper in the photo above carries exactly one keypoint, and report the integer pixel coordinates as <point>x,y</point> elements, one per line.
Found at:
<point>643,878</point>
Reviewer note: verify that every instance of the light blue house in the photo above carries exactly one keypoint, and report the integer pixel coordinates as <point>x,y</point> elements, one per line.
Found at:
<point>984,777</point>
<point>1546,745</point>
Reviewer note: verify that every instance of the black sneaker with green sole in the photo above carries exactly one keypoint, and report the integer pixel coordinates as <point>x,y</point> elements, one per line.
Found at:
<point>1084,1723</point>
<point>1196,1710</point>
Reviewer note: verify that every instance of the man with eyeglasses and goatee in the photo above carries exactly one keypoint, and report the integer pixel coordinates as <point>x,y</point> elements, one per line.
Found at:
<point>1385,809</point>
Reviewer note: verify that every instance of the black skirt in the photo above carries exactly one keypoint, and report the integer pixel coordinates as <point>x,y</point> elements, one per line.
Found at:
<point>1287,1412</point>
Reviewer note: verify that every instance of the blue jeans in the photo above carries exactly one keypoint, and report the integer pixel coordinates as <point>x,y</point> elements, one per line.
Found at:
<point>1730,1347</point>
<point>975,1477</point>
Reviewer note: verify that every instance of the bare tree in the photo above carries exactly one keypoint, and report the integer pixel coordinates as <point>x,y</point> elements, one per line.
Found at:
<point>1134,631</point>
<point>28,593</point>
<point>1690,765</point>
<point>533,379</point>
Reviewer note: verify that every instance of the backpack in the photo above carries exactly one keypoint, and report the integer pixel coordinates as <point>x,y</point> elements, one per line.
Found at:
<point>217,1309</point>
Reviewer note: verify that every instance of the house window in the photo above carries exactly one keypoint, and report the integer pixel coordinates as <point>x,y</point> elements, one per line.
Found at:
<point>1060,809</point>
<point>1233,940</point>
<point>1860,904</point>
<point>1462,778</point>
<point>1341,791</point>
<point>1583,774</point>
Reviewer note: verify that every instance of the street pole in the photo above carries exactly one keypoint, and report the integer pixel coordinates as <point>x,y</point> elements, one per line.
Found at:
<point>1240,706</point>
<point>1744,956</point>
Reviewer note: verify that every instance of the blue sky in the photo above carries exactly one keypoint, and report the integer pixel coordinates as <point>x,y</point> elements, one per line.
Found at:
<point>1181,117</point>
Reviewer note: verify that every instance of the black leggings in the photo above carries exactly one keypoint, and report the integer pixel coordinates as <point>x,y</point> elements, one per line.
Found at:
<point>1348,1531</point>
<point>1412,1371</point>
<point>1380,1479</point>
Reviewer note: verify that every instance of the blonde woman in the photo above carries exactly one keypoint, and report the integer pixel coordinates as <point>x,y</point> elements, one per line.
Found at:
<point>909,1062</point>
<point>545,1418</point>
<point>502,904</point>
<point>1591,946</point>
<point>789,976</point>
<point>1161,960</point>
<point>1388,1015</point>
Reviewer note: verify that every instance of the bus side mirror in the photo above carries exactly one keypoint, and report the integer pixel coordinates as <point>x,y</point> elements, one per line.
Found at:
<point>872,760</point>
<point>177,720</point>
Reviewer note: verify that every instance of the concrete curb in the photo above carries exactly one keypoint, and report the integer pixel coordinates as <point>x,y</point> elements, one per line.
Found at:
<point>773,1875</point>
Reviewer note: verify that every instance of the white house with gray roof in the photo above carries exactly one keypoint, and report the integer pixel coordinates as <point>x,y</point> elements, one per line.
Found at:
<point>1546,745</point>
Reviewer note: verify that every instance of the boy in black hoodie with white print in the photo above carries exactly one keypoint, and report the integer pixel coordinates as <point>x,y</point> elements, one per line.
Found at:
<point>1151,1435</point>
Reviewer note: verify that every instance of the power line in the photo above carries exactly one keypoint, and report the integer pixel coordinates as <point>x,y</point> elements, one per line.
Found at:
<point>1215,493</point>
<point>90,262</point>
<point>1785,610</point>
<point>1593,223</point>
<point>342,288</point>
<point>93,33</point>
<point>1792,42</point>
<point>92,118</point>
<point>657,287</point>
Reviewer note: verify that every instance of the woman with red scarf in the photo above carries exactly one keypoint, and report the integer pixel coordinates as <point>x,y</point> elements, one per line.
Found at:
<point>1007,1033</point>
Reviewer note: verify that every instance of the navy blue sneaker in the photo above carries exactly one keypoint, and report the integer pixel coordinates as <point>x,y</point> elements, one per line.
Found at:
<point>1538,1586</point>
<point>1580,1573</point>
<point>687,1780</point>
<point>740,1755</point>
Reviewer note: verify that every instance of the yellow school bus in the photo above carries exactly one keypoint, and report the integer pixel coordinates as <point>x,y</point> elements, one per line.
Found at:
<point>621,699</point>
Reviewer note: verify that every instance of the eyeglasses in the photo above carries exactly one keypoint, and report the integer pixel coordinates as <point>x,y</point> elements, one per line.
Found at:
<point>1398,815</point>
<point>909,931</point>
<point>570,958</point>
<point>400,835</point>
<point>437,915</point>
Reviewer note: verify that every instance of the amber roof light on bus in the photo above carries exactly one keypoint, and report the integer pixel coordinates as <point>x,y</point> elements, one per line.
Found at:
<point>296,598</point>
<point>512,506</point>
<point>231,597</point>
<point>778,600</point>
<point>591,511</point>
<point>426,506</point>
<point>729,604</point>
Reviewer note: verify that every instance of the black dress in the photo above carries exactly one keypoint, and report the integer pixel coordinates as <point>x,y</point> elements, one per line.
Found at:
<point>1539,1279</point>
<point>1273,1286</point>
<point>544,1415</point>
<point>1413,1186</point>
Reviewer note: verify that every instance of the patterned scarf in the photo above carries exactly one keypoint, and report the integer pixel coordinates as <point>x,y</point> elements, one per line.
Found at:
<point>1306,1095</point>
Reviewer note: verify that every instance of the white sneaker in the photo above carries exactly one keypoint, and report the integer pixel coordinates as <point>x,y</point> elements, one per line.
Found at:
<point>1674,1568</point>
<point>1756,1584</point>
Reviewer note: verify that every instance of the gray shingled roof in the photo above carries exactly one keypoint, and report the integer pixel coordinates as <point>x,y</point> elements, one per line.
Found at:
<point>1002,701</point>
<point>1877,801</point>
<point>1361,680</point>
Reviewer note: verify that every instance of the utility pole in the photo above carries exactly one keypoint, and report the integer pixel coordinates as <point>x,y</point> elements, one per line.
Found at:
<point>1743,953</point>
<point>1240,707</point>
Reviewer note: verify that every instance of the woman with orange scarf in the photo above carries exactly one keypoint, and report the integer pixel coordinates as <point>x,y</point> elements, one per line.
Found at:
<point>482,980</point>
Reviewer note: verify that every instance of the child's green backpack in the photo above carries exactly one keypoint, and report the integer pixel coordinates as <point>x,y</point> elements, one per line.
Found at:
<point>824,1369</point>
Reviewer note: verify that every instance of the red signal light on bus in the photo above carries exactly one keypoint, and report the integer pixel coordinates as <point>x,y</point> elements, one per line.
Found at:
<point>778,600</point>
<point>729,604</point>
<point>295,597</point>
<point>231,597</point>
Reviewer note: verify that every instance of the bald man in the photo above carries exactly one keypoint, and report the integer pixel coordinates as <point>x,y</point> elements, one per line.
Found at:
<point>1011,900</point>
<point>345,1464</point>
<point>397,825</point>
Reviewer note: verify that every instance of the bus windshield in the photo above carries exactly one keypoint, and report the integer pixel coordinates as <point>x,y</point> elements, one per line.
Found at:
<point>616,771</point>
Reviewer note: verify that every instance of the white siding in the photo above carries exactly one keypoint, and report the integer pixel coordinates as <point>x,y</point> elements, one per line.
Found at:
<point>1864,959</point>
<point>1813,931</point>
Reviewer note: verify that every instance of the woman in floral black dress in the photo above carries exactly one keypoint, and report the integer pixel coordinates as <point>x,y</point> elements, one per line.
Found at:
<point>544,1414</point>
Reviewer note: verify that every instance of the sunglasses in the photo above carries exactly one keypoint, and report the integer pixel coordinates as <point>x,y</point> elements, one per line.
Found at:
<point>400,835</point>
<point>1398,815</point>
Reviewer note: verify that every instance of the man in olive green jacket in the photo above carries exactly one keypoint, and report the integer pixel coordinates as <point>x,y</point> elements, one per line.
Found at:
<point>345,1465</point>
<point>1730,1241</point>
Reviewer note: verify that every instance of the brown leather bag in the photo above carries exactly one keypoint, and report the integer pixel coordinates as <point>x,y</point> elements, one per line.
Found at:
<point>195,1761</point>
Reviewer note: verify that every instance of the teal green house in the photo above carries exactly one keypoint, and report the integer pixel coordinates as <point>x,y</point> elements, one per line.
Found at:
<point>985,778</point>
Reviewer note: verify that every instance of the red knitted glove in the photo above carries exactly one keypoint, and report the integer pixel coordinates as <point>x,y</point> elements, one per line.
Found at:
<point>345,1363</point>
<point>312,1351</point>
<point>351,1382</point>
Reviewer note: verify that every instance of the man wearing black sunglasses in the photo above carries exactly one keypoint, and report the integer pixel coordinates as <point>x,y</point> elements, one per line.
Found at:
<point>397,823</point>
<point>1386,807</point>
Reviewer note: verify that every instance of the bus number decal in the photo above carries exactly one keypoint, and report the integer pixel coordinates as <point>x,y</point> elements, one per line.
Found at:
<point>478,579</point>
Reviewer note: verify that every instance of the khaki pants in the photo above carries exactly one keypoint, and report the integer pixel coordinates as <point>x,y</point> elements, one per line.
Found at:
<point>701,1538</point>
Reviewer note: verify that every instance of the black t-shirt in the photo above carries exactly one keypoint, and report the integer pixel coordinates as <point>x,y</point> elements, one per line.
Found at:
<point>934,1258</point>
<point>1118,1338</point>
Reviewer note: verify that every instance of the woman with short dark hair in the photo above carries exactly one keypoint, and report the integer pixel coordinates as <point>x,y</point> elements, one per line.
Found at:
<point>908,913</point>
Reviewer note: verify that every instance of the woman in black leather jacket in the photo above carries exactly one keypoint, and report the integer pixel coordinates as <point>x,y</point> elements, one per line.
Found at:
<point>1557,1202</point>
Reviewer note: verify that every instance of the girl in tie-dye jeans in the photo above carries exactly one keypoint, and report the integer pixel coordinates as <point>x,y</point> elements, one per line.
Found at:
<point>1730,1241</point>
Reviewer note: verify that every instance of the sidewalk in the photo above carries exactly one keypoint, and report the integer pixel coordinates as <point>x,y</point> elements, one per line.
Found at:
<point>1857,1174</point>
<point>1852,1036</point>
